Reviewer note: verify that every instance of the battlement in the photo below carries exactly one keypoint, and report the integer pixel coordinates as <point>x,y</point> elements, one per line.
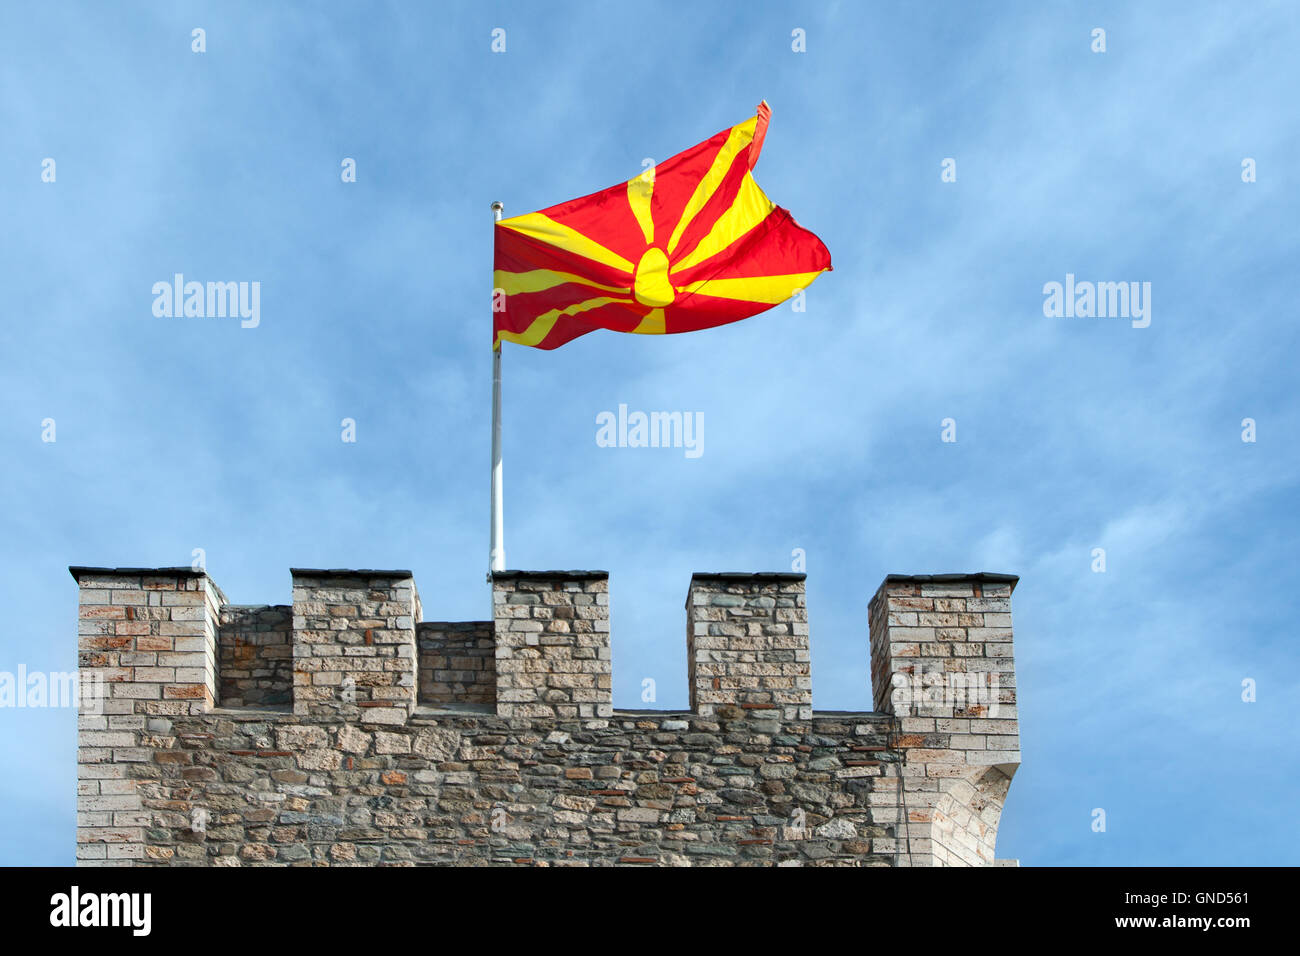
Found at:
<point>344,728</point>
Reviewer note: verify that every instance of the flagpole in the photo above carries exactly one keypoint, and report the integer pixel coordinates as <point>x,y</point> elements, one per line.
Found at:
<point>497,548</point>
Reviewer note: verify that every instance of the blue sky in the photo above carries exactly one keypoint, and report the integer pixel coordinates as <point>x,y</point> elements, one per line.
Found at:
<point>822,428</point>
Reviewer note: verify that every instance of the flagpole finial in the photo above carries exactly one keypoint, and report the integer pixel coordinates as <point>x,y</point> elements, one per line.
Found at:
<point>497,208</point>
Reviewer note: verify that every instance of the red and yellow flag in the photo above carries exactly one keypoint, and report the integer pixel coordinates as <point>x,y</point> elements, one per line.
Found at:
<point>689,244</point>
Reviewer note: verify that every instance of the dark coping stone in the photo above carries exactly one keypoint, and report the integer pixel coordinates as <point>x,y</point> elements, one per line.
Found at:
<point>568,575</point>
<point>748,576</point>
<point>991,577</point>
<point>348,573</point>
<point>78,570</point>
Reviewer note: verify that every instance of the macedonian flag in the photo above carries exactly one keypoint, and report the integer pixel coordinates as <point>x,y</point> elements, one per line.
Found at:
<point>689,244</point>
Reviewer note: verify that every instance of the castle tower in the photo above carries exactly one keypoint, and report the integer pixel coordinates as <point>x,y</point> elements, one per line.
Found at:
<point>344,730</point>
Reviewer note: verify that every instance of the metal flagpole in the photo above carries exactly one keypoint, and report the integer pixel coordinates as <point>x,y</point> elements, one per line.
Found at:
<point>497,551</point>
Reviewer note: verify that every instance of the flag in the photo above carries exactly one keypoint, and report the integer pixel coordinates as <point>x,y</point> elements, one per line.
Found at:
<point>689,244</point>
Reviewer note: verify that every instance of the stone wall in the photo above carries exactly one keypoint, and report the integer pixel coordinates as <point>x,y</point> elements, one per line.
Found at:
<point>634,789</point>
<point>457,663</point>
<point>255,656</point>
<point>359,771</point>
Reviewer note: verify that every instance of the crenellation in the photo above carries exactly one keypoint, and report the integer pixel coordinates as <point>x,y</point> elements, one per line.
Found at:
<point>552,648</point>
<point>954,694</point>
<point>343,729</point>
<point>747,643</point>
<point>354,645</point>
